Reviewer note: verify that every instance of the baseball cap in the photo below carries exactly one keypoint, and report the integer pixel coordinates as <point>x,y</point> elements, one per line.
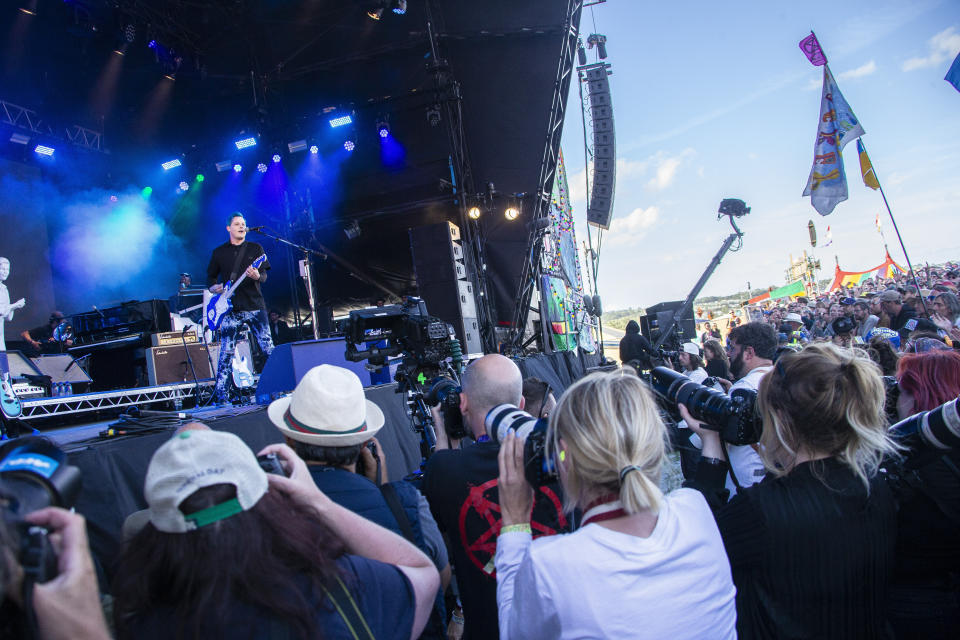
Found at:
<point>192,460</point>
<point>890,295</point>
<point>691,348</point>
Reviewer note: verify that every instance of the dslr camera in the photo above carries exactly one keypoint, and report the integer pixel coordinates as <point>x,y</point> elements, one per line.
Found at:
<point>734,416</point>
<point>34,475</point>
<point>538,468</point>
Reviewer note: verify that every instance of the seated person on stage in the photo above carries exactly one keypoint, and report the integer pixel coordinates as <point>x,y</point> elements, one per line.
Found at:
<point>461,487</point>
<point>231,553</point>
<point>538,398</point>
<point>641,563</point>
<point>319,421</point>
<point>42,340</point>
<point>280,331</point>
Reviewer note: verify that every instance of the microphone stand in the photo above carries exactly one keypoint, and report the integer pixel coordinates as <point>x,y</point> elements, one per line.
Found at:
<point>305,271</point>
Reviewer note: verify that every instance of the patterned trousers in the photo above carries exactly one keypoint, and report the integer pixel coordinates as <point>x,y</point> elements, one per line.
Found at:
<point>260,330</point>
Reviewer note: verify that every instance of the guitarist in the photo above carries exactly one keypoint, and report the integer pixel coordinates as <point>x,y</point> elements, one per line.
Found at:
<point>227,263</point>
<point>8,401</point>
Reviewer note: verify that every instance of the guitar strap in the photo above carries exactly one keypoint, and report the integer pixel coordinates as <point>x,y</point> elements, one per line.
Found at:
<point>234,272</point>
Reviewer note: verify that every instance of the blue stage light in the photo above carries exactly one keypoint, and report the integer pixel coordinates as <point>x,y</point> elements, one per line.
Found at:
<point>170,164</point>
<point>262,168</point>
<point>383,131</point>
<point>400,7</point>
<point>314,149</point>
<point>44,150</point>
<point>246,142</point>
<point>340,121</point>
<point>276,158</point>
<point>237,168</point>
<point>184,186</point>
<point>349,145</point>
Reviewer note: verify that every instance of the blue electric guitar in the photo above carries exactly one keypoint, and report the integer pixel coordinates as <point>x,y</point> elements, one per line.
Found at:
<point>9,402</point>
<point>220,304</point>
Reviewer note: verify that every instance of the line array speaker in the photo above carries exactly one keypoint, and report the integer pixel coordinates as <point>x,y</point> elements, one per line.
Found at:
<point>600,208</point>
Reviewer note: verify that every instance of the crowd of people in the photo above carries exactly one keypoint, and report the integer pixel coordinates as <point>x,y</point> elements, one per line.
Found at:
<point>831,525</point>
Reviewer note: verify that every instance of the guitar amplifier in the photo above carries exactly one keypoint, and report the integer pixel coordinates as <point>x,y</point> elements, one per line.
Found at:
<point>25,390</point>
<point>169,365</point>
<point>174,338</point>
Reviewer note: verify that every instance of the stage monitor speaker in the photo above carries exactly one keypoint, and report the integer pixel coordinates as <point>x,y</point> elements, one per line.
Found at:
<point>169,365</point>
<point>290,362</point>
<point>600,208</point>
<point>61,367</point>
<point>20,366</point>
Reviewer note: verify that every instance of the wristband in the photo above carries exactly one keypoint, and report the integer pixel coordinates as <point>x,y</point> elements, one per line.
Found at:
<point>516,528</point>
<point>457,618</point>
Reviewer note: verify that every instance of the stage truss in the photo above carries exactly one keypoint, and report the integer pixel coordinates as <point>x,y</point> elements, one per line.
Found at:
<point>102,400</point>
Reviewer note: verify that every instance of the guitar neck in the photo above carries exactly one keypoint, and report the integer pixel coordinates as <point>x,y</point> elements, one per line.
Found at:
<point>229,292</point>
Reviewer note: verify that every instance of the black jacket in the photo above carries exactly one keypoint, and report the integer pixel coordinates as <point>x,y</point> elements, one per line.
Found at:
<point>634,346</point>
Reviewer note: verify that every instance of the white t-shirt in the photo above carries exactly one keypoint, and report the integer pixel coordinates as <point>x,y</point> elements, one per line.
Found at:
<point>599,583</point>
<point>744,460</point>
<point>697,375</point>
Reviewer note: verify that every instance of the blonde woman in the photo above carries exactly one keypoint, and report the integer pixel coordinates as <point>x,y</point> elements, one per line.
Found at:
<point>811,546</point>
<point>641,565</point>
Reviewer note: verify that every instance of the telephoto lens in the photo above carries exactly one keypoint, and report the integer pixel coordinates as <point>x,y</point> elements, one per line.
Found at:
<point>538,468</point>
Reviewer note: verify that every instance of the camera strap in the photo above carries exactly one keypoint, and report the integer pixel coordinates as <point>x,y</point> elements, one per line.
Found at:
<point>393,501</point>
<point>347,607</point>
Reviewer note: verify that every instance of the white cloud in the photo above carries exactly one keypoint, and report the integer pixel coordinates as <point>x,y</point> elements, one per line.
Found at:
<point>633,227</point>
<point>814,84</point>
<point>667,169</point>
<point>859,72</point>
<point>943,48</point>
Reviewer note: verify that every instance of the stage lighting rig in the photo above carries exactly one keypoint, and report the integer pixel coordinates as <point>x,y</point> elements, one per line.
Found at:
<point>599,41</point>
<point>352,230</point>
<point>170,164</point>
<point>262,167</point>
<point>511,213</point>
<point>474,213</point>
<point>399,7</point>
<point>383,127</point>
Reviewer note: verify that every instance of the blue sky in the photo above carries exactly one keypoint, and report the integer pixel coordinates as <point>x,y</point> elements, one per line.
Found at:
<point>715,100</point>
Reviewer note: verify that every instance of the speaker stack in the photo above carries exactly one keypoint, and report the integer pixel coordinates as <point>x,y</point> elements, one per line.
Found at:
<point>600,208</point>
<point>438,259</point>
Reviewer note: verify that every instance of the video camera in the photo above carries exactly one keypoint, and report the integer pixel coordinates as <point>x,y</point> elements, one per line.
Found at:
<point>734,416</point>
<point>34,475</point>
<point>430,366</point>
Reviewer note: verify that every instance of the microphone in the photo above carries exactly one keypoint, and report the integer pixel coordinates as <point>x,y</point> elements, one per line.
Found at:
<point>255,228</point>
<point>94,307</point>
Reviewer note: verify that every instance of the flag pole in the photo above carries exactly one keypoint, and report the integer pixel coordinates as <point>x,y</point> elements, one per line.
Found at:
<point>897,230</point>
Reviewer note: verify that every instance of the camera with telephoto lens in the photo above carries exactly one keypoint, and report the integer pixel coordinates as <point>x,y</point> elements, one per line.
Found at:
<point>665,353</point>
<point>538,468</point>
<point>446,393</point>
<point>734,416</point>
<point>34,475</point>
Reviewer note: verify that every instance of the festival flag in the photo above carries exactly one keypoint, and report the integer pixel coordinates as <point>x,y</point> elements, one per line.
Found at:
<point>827,184</point>
<point>879,224</point>
<point>953,75</point>
<point>866,167</point>
<point>829,237</point>
<point>811,48</point>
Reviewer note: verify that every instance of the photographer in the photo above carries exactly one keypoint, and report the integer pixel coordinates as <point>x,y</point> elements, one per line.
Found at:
<point>641,562</point>
<point>231,552</point>
<point>812,546</point>
<point>461,487</point>
<point>924,600</point>
<point>751,348</point>
<point>66,607</point>
<point>692,363</point>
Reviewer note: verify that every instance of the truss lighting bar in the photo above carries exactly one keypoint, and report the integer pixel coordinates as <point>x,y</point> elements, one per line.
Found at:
<point>224,165</point>
<point>19,138</point>
<point>170,164</point>
<point>340,121</point>
<point>44,150</point>
<point>297,145</point>
<point>245,143</point>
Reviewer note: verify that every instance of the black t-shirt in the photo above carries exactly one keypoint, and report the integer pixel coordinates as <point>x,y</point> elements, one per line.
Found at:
<point>718,369</point>
<point>247,296</point>
<point>382,592</point>
<point>461,487</point>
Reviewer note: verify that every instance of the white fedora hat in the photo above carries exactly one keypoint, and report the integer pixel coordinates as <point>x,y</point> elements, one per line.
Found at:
<point>327,408</point>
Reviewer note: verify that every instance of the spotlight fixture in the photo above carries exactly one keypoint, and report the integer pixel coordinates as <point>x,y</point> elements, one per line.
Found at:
<point>43,150</point>
<point>474,213</point>
<point>296,145</point>
<point>130,33</point>
<point>30,9</point>
<point>237,168</point>
<point>599,41</point>
<point>172,77</point>
<point>184,186</point>
<point>262,168</point>
<point>511,213</point>
<point>246,143</point>
<point>200,177</point>
<point>383,127</point>
<point>374,14</point>
<point>276,158</point>
<point>19,138</point>
<point>314,149</point>
<point>340,121</point>
<point>352,230</point>
<point>581,53</point>
<point>399,7</point>
<point>146,191</point>
<point>170,164</point>
<point>223,165</point>
<point>349,145</point>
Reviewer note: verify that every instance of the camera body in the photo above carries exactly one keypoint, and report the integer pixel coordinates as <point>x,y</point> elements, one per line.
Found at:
<point>34,475</point>
<point>270,462</point>
<point>538,468</point>
<point>734,416</point>
<point>446,393</point>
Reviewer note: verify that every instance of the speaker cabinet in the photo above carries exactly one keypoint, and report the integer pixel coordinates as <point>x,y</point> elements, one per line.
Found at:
<point>169,365</point>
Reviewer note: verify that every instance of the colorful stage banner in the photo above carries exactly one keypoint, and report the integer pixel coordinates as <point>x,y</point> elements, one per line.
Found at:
<point>791,290</point>
<point>827,183</point>
<point>885,270</point>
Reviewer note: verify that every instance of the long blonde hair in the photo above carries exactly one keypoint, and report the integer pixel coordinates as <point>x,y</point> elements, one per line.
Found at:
<point>824,400</point>
<point>609,422</point>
